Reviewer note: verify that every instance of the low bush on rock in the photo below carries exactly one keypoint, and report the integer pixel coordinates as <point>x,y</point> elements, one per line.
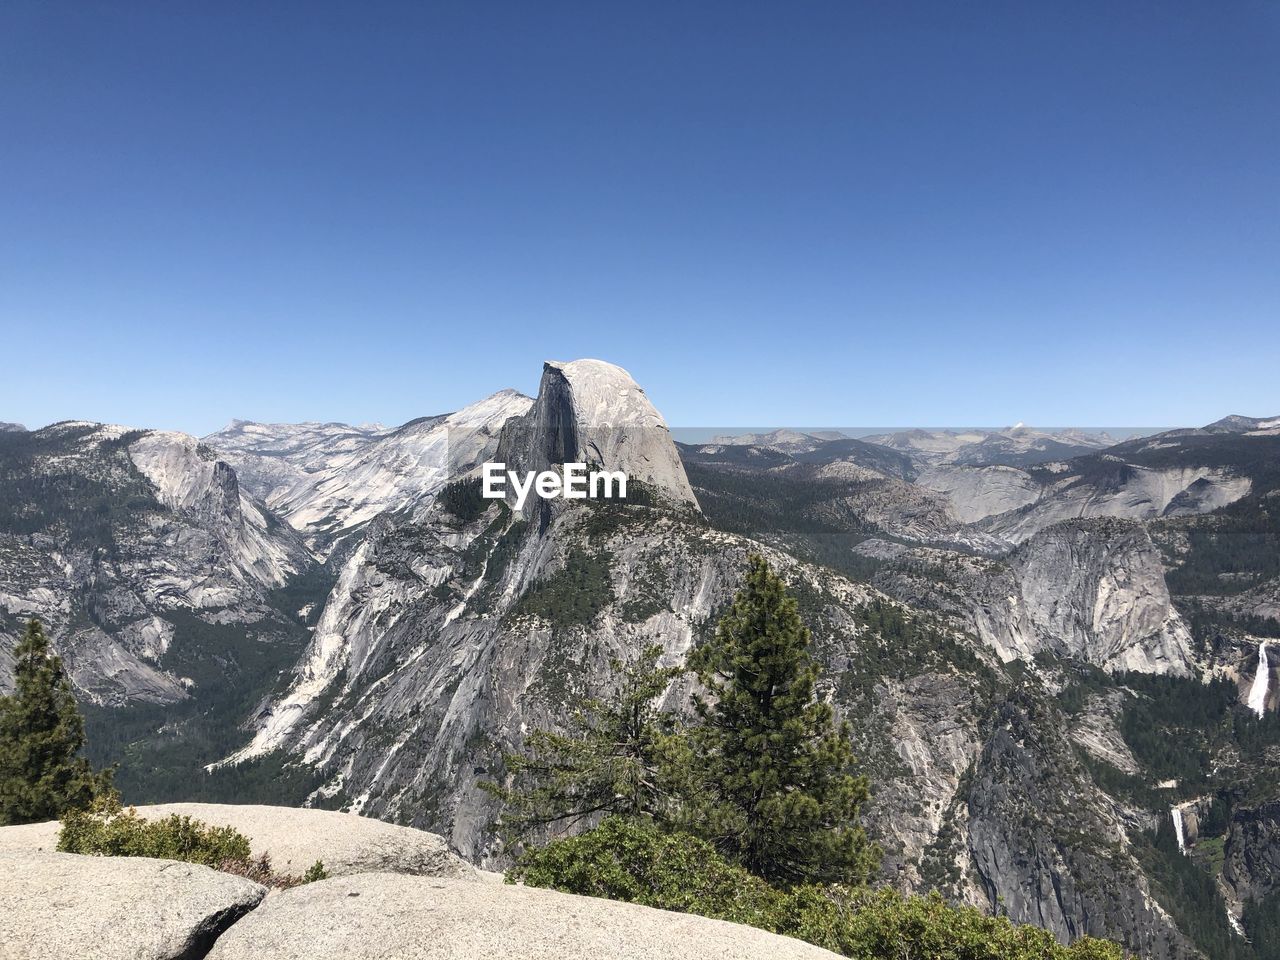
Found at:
<point>638,863</point>
<point>107,830</point>
<point>874,924</point>
<point>259,870</point>
<point>633,861</point>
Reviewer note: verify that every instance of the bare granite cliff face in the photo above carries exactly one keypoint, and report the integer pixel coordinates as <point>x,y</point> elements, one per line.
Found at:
<point>1089,589</point>
<point>1167,475</point>
<point>1095,590</point>
<point>272,458</point>
<point>1252,853</point>
<point>395,471</point>
<point>1071,871</point>
<point>112,536</point>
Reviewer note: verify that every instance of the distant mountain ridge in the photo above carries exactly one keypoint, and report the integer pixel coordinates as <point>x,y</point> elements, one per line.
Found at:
<point>1018,445</point>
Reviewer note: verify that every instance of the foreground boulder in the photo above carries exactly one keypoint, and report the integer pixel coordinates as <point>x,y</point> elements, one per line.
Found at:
<point>30,838</point>
<point>295,838</point>
<point>59,906</point>
<point>378,916</point>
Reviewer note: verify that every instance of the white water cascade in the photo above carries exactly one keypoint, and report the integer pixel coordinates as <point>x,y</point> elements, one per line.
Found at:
<point>1235,924</point>
<point>1177,829</point>
<point>1261,680</point>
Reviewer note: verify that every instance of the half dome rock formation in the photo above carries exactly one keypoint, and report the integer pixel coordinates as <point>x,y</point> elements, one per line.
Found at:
<point>593,412</point>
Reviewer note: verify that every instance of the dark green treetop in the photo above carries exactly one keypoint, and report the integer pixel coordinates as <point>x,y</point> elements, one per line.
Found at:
<point>615,756</point>
<point>42,773</point>
<point>785,801</point>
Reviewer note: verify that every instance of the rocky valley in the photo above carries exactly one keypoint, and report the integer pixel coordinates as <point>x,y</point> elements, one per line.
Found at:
<point>1052,648</point>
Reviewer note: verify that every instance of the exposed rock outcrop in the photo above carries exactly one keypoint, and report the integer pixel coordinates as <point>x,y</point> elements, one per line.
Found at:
<point>1252,864</point>
<point>376,916</point>
<point>1096,730</point>
<point>294,838</point>
<point>1070,871</point>
<point>589,411</point>
<point>59,906</point>
<point>975,493</point>
<point>1089,589</point>
<point>345,842</point>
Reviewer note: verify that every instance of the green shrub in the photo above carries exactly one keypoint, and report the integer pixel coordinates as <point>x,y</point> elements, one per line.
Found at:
<point>315,872</point>
<point>108,831</point>
<point>635,862</point>
<point>873,924</point>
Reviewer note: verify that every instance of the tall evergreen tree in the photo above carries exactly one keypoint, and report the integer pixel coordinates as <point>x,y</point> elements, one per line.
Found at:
<point>785,801</point>
<point>42,773</point>
<point>616,756</point>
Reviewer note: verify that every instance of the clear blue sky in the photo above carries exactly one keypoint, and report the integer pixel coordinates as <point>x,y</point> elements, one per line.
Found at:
<point>771,213</point>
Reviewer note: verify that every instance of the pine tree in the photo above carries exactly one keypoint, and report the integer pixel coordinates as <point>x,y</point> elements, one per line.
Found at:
<point>616,756</point>
<point>785,801</point>
<point>42,774</point>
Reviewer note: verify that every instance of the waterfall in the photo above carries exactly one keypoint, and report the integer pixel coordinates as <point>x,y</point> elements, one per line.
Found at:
<point>1235,924</point>
<point>1261,680</point>
<point>1177,829</point>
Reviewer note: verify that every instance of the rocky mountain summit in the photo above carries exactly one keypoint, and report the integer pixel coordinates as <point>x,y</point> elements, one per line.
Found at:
<point>589,411</point>
<point>1046,655</point>
<point>272,458</point>
<point>347,484</point>
<point>1247,426</point>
